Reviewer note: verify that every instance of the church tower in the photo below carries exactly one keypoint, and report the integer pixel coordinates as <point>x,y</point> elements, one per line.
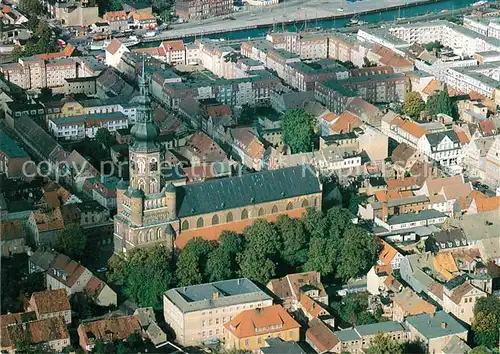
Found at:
<point>145,153</point>
<point>146,208</point>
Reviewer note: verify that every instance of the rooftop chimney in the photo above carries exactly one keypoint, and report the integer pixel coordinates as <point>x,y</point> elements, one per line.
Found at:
<point>443,325</point>
<point>215,295</point>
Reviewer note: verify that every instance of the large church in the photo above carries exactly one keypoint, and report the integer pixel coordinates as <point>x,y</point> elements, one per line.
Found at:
<point>151,211</point>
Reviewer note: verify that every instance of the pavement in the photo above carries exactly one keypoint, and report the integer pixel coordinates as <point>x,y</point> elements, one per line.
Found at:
<point>288,11</point>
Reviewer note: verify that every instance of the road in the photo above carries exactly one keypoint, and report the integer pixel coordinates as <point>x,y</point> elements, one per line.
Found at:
<point>288,11</point>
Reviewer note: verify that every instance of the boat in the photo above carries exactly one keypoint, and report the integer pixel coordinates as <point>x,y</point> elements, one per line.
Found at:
<point>127,42</point>
<point>479,3</point>
<point>150,34</point>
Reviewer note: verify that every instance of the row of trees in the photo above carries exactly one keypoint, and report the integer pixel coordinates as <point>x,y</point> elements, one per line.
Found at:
<point>439,102</point>
<point>325,242</point>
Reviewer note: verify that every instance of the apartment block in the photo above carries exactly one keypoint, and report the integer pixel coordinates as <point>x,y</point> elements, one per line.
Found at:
<point>197,313</point>
<point>201,9</point>
<point>82,126</point>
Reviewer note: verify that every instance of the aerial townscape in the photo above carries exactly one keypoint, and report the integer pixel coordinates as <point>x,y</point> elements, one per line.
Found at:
<point>259,176</point>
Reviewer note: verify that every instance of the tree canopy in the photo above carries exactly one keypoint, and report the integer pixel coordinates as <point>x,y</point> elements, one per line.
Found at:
<point>440,102</point>
<point>72,241</point>
<point>144,273</point>
<point>486,321</point>
<point>383,344</point>
<point>103,136</point>
<point>413,104</point>
<point>298,130</point>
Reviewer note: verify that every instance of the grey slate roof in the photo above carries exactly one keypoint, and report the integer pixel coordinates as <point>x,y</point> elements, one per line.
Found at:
<point>245,190</point>
<point>230,292</point>
<point>39,138</point>
<point>456,346</point>
<point>278,346</point>
<point>432,327</point>
<point>435,138</point>
<point>368,330</point>
<point>42,259</point>
<point>412,217</point>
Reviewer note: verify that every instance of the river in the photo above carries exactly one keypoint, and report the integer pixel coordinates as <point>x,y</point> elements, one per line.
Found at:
<point>389,15</point>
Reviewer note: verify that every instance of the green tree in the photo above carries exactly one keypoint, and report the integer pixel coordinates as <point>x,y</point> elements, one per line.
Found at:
<point>321,256</point>
<point>358,253</point>
<point>71,241</point>
<point>192,261</point>
<point>262,237</point>
<point>315,223</point>
<point>413,104</point>
<point>31,7</point>
<point>231,242</point>
<point>256,266</point>
<point>103,136</point>
<point>144,273</point>
<point>383,344</point>
<point>440,102</point>
<point>480,350</point>
<point>486,321</point>
<point>338,220</point>
<point>294,238</point>
<point>219,265</point>
<point>298,130</point>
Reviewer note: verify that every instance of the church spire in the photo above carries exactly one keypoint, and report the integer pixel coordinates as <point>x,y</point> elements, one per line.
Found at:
<point>145,132</point>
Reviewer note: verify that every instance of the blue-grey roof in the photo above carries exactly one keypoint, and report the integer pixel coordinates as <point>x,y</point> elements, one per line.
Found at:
<point>278,346</point>
<point>369,330</point>
<point>245,190</point>
<point>439,325</point>
<point>412,217</point>
<point>10,148</point>
<point>214,295</point>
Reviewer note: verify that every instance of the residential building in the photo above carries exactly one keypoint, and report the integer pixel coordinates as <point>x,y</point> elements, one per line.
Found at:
<point>75,13</point>
<point>142,20</point>
<point>102,190</point>
<point>456,346</point>
<point>43,224</point>
<point>474,156</point>
<point>404,158</point>
<point>192,10</point>
<point>51,303</point>
<point>12,158</point>
<point>389,259</point>
<point>114,328</point>
<point>445,194</point>
<point>86,126</point>
<point>50,331</point>
<point>492,164</point>
<point>247,146</point>
<point>289,289</point>
<point>147,320</point>
<point>12,237</point>
<point>408,303</point>
<point>444,148</point>
<point>320,337</point>
<point>117,20</point>
<point>402,130</point>
<point>249,329</point>
<point>360,337</point>
<point>100,292</point>
<point>65,273</point>
<point>198,313</point>
<point>279,346</point>
<point>114,52</point>
<point>435,331</point>
<point>460,301</point>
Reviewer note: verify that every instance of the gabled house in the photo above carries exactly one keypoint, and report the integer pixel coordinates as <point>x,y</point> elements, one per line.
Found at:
<point>100,292</point>
<point>65,273</point>
<point>12,237</point>
<point>444,148</point>
<point>461,300</point>
<point>51,303</point>
<point>320,337</point>
<point>107,330</point>
<point>408,303</point>
<point>389,259</point>
<point>403,158</point>
<point>248,147</point>
<point>289,289</point>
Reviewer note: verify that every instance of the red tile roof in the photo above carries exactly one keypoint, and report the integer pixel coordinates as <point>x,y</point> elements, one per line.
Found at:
<point>113,46</point>
<point>110,329</point>
<point>487,128</point>
<point>321,336</point>
<point>171,46</point>
<point>51,301</point>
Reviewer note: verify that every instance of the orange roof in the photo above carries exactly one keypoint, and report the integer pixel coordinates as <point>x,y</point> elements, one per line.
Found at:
<point>413,128</point>
<point>311,307</point>
<point>445,265</point>
<point>173,46</point>
<point>261,321</point>
<point>321,336</point>
<point>462,136</point>
<point>383,196</point>
<point>432,87</point>
<point>141,16</point>
<point>401,183</point>
<point>49,220</point>
<point>218,111</point>
<point>484,204</point>
<point>213,232</point>
<point>65,53</point>
<point>329,117</point>
<point>111,329</point>
<point>115,15</point>
<point>11,230</point>
<point>412,304</point>
<point>385,256</point>
<point>345,123</point>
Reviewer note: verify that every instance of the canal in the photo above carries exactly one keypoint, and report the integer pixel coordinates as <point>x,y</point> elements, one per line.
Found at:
<point>390,15</point>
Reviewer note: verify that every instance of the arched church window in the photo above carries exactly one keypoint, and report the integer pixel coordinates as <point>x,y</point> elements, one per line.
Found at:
<point>305,203</point>
<point>244,214</point>
<point>141,165</point>
<point>158,233</point>
<point>274,210</point>
<point>141,184</point>
<point>215,219</point>
<point>261,212</point>
<point>289,206</point>
<point>153,164</point>
<point>229,217</point>
<point>199,222</point>
<point>152,185</point>
<point>185,225</point>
